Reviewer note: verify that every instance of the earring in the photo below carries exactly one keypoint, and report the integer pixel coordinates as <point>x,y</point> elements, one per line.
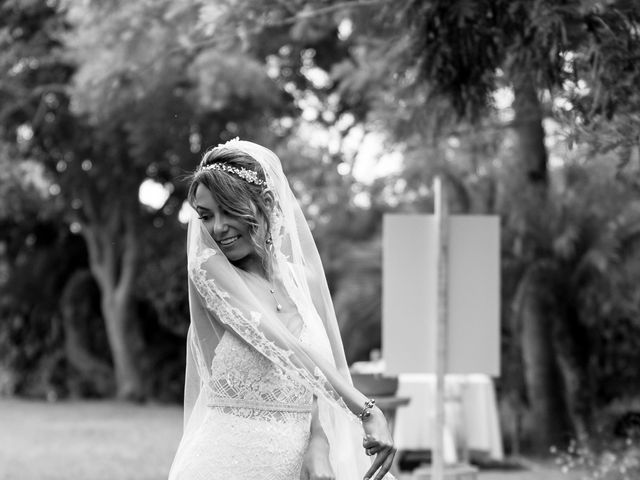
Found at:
<point>269,240</point>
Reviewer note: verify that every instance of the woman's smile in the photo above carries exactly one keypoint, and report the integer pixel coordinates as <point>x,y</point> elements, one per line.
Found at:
<point>228,241</point>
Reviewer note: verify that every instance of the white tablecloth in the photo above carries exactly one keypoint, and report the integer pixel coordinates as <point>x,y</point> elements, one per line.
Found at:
<point>471,415</point>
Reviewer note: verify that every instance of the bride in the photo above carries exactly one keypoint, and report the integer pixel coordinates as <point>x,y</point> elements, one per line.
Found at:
<point>268,394</point>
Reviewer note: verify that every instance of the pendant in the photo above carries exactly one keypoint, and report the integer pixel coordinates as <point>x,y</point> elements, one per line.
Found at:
<point>278,306</point>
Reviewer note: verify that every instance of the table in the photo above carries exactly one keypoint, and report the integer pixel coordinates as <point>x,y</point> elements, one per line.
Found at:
<point>471,411</point>
<point>390,406</point>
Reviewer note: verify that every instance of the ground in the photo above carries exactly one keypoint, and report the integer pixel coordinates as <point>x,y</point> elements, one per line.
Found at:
<point>105,440</point>
<point>87,440</point>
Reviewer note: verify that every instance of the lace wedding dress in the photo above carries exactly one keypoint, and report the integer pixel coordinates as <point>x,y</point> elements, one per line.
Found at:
<point>257,423</point>
<point>253,372</point>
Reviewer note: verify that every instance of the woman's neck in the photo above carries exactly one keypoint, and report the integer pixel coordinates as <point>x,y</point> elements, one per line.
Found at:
<point>252,264</point>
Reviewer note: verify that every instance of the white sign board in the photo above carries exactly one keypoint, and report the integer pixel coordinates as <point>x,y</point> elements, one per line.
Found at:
<point>410,285</point>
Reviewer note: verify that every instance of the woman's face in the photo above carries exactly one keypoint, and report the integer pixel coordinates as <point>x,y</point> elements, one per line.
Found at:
<point>230,233</point>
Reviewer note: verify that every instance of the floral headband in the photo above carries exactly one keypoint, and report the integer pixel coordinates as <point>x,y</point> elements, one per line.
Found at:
<point>250,176</point>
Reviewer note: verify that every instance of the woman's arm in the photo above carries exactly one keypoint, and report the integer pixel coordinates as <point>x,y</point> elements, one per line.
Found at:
<point>377,436</point>
<point>244,315</point>
<point>316,463</point>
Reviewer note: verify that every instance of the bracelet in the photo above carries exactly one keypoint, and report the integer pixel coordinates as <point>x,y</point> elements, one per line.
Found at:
<point>366,410</point>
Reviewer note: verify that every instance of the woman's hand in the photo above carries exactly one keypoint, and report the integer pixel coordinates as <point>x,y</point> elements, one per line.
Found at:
<point>378,441</point>
<point>315,464</point>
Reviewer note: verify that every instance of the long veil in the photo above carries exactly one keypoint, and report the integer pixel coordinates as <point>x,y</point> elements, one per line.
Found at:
<point>220,300</point>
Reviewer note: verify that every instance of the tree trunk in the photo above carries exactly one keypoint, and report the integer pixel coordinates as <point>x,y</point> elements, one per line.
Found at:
<point>572,344</point>
<point>576,399</point>
<point>79,317</point>
<point>116,308</point>
<point>544,421</point>
<point>532,153</point>
<point>113,255</point>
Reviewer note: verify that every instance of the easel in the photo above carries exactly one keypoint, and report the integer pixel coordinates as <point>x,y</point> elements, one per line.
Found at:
<point>441,211</point>
<point>441,283</point>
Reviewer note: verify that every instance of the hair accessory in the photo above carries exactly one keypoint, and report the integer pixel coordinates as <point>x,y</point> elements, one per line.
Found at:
<point>228,143</point>
<point>366,410</point>
<point>248,175</point>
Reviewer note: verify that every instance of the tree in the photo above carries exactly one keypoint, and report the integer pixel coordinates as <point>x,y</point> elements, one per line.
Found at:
<point>431,59</point>
<point>464,51</point>
<point>37,254</point>
<point>80,98</point>
<point>45,130</point>
<point>586,261</point>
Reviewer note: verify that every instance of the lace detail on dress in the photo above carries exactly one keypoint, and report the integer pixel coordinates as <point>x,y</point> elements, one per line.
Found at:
<point>246,384</point>
<point>248,329</point>
<point>229,447</point>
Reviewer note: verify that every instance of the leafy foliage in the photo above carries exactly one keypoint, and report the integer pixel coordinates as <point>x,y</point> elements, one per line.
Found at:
<point>98,97</point>
<point>461,47</point>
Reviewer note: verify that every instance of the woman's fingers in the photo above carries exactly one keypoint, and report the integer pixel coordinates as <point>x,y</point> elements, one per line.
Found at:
<point>372,446</point>
<point>377,463</point>
<point>369,442</point>
<point>373,449</point>
<point>381,464</point>
<point>386,465</point>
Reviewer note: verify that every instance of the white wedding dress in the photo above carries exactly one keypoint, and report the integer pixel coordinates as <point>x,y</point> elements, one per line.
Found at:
<point>253,372</point>
<point>257,423</point>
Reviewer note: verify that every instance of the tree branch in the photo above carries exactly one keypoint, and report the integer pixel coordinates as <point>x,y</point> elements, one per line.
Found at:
<point>129,257</point>
<point>93,249</point>
<point>109,259</point>
<point>303,15</point>
<point>328,9</point>
<point>19,92</point>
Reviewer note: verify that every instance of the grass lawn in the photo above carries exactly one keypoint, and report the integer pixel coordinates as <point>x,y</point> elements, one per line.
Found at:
<point>85,440</point>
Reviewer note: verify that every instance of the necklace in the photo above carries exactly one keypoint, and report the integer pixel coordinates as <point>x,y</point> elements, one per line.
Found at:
<point>273,294</point>
<point>259,281</point>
